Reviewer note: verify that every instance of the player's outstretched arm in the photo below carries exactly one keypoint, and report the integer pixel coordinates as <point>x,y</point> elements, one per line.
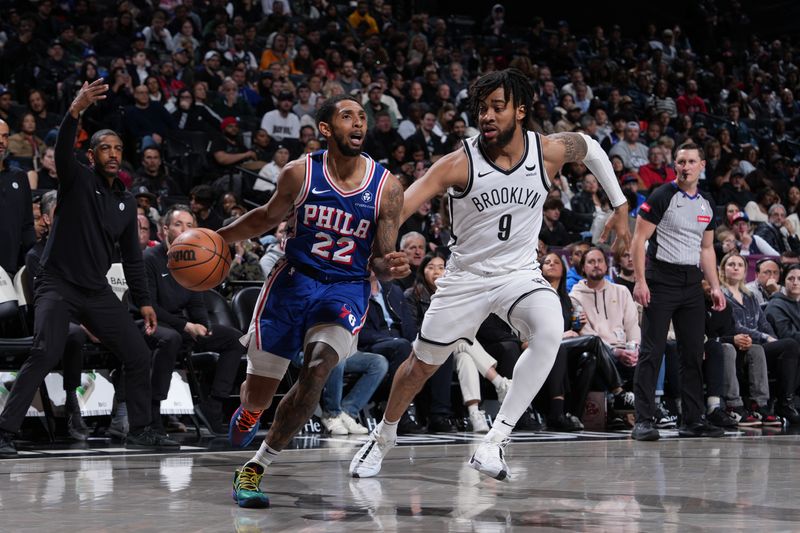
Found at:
<point>262,219</point>
<point>450,171</point>
<point>387,262</point>
<point>66,163</point>
<point>569,147</point>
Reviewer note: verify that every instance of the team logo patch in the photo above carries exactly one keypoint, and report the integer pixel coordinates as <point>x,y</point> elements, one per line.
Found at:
<point>705,219</point>
<point>347,313</point>
<point>367,196</point>
<point>645,207</point>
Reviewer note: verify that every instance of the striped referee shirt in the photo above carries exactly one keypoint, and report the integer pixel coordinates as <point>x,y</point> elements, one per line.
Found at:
<point>681,220</point>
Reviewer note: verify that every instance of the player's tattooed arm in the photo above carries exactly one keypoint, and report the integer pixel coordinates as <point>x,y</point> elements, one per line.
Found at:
<point>573,145</point>
<point>388,263</point>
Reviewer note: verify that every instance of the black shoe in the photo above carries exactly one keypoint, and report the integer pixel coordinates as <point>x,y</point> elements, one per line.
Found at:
<point>441,424</point>
<point>700,429</point>
<point>721,419</point>
<point>645,431</point>
<point>787,410</point>
<point>409,426</point>
<point>151,439</point>
<point>529,421</point>
<point>565,422</point>
<point>623,402</point>
<point>210,413</point>
<point>76,427</point>
<point>7,447</point>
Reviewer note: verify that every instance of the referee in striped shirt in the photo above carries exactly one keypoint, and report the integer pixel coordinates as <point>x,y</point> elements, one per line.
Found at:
<point>678,222</point>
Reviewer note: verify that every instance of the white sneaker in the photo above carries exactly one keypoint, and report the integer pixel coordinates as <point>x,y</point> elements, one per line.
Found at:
<point>352,425</point>
<point>334,425</point>
<point>478,421</point>
<point>502,389</point>
<point>367,461</point>
<point>489,459</point>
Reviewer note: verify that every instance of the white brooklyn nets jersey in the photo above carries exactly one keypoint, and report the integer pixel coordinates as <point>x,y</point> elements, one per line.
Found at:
<point>496,219</point>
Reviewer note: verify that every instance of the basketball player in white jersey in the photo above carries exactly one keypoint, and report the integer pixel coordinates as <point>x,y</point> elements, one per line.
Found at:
<point>496,185</point>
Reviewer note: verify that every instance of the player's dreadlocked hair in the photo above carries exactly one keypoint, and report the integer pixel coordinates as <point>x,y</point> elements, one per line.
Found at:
<point>516,87</point>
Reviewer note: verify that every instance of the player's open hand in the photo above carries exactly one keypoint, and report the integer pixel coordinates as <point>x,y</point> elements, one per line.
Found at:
<point>618,222</point>
<point>88,95</point>
<point>397,264</point>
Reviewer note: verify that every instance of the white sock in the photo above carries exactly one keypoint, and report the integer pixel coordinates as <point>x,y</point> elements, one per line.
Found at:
<point>531,366</point>
<point>472,408</point>
<point>497,381</point>
<point>387,430</point>
<point>712,403</point>
<point>265,455</point>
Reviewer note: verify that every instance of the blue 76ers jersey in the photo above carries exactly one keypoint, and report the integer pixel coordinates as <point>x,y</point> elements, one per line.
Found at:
<point>334,229</point>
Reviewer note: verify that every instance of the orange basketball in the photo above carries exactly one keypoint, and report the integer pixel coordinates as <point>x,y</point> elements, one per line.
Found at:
<point>199,259</point>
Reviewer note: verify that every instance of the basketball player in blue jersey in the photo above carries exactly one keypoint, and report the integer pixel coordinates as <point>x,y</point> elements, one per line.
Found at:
<point>344,213</point>
<point>496,187</point>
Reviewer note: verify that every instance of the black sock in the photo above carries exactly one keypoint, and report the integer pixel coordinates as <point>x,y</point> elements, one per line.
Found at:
<point>556,408</point>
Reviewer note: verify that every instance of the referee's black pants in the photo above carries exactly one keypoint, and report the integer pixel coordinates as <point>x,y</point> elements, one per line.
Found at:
<point>684,305</point>
<point>56,303</point>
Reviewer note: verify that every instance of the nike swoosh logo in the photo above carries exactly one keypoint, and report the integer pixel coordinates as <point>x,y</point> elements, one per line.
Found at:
<point>97,192</point>
<point>482,174</point>
<point>165,275</point>
<point>315,191</point>
<point>531,167</point>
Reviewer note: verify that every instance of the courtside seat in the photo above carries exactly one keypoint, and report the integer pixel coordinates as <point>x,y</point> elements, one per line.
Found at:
<point>243,304</point>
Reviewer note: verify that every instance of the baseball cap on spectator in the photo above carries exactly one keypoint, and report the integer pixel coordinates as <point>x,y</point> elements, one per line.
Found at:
<point>179,50</point>
<point>227,121</point>
<point>55,42</point>
<point>145,192</point>
<point>667,33</point>
<point>139,36</point>
<point>3,90</point>
<point>285,95</point>
<point>626,100</point>
<point>632,125</point>
<point>89,52</point>
<point>733,218</point>
<point>628,178</point>
<point>373,86</point>
<point>210,54</point>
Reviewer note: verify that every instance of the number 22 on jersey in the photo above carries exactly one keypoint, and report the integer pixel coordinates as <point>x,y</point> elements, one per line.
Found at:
<point>344,248</point>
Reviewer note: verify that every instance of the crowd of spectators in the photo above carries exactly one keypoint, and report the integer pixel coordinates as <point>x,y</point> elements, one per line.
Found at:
<point>213,98</point>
